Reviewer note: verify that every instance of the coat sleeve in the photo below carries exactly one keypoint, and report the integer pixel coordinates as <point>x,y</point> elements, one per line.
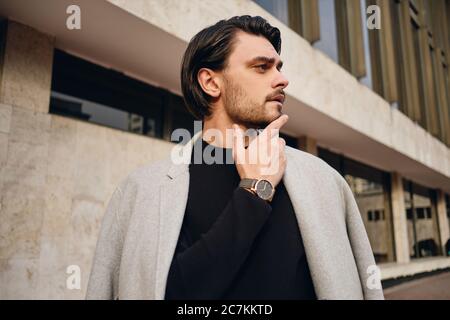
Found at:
<point>104,274</point>
<point>368,272</point>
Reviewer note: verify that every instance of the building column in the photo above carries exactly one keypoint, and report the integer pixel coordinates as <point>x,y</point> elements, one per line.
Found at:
<point>444,231</point>
<point>307,144</point>
<point>25,84</point>
<point>27,68</point>
<point>400,226</point>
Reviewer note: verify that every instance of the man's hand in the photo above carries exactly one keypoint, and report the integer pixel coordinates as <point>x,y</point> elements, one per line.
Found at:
<point>264,158</point>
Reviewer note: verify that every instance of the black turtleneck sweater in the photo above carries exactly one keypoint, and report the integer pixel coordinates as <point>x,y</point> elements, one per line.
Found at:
<point>234,245</point>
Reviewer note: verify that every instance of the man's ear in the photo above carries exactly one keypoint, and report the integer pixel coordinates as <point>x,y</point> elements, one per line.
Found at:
<point>209,81</point>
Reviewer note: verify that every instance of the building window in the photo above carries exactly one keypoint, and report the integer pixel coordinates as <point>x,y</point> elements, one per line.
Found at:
<point>328,33</point>
<point>370,215</point>
<point>375,215</point>
<point>371,188</point>
<point>278,8</point>
<point>420,54</point>
<point>89,92</point>
<point>447,204</point>
<point>404,21</point>
<point>304,18</point>
<point>350,38</point>
<point>409,215</point>
<point>3,31</point>
<point>300,15</point>
<point>336,27</point>
<point>441,111</point>
<point>381,63</point>
<point>418,71</point>
<point>333,159</point>
<point>341,35</point>
<point>290,140</point>
<point>445,107</point>
<point>423,231</point>
<point>367,78</point>
<point>436,25</point>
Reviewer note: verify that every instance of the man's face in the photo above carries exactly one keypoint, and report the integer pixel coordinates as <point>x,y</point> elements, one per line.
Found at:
<point>253,83</point>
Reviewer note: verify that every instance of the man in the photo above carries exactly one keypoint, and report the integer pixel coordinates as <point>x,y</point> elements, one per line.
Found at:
<point>287,227</point>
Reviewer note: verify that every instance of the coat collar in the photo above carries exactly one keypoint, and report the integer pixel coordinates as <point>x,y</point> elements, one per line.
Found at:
<point>183,156</point>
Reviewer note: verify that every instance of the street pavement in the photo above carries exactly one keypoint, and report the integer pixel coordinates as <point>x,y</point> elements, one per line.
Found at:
<point>436,287</point>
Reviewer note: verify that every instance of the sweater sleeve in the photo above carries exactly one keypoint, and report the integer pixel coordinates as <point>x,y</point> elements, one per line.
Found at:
<point>206,269</point>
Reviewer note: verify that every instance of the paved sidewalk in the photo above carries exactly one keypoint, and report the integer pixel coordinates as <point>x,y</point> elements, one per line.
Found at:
<point>435,287</point>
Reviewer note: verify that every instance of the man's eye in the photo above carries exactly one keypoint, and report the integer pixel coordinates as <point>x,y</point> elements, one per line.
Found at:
<point>262,67</point>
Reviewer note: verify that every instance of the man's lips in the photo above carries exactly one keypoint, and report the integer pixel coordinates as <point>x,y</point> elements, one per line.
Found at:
<point>278,98</point>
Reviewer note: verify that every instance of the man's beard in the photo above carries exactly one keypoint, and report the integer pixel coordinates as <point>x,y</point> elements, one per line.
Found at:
<point>241,109</point>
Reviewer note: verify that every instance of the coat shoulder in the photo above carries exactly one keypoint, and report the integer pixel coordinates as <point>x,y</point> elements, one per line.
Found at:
<point>312,164</point>
<point>146,176</point>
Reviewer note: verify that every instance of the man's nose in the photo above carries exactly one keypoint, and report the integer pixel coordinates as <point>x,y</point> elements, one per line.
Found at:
<point>280,81</point>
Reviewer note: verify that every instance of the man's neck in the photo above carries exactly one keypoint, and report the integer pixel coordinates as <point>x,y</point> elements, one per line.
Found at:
<point>218,131</point>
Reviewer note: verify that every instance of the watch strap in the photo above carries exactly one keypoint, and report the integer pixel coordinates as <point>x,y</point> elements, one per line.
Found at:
<point>248,183</point>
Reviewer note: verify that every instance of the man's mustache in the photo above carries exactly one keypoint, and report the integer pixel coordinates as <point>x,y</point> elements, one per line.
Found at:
<point>276,94</point>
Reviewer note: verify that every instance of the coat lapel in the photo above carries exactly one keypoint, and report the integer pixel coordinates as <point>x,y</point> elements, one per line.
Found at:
<point>174,196</point>
<point>305,205</point>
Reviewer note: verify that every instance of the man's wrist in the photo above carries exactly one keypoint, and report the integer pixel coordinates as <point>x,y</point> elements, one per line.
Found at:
<point>260,187</point>
<point>256,195</point>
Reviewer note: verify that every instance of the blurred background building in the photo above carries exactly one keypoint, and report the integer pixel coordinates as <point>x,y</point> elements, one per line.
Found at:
<point>80,109</point>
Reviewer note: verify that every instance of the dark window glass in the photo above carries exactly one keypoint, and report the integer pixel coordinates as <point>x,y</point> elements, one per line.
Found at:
<point>423,234</point>
<point>331,158</point>
<point>371,188</point>
<point>447,201</point>
<point>420,213</point>
<point>409,214</point>
<point>290,140</point>
<point>377,215</point>
<point>3,30</point>
<point>89,92</point>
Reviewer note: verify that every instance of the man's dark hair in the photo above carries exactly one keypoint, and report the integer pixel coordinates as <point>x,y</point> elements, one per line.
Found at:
<point>210,48</point>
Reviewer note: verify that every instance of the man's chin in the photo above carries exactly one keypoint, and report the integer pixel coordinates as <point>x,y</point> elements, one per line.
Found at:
<point>263,123</point>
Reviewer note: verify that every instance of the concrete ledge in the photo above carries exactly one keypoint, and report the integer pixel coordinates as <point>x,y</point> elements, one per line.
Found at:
<point>397,270</point>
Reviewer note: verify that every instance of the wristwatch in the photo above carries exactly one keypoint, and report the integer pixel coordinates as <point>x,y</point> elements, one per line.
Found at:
<point>262,188</point>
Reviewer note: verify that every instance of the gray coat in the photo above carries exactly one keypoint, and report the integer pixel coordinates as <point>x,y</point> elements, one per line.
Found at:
<point>143,220</point>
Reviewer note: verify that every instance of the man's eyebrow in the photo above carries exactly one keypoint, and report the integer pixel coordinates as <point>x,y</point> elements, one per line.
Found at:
<point>266,60</point>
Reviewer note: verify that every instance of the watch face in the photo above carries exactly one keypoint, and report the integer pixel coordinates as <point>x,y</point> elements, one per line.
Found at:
<point>264,189</point>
